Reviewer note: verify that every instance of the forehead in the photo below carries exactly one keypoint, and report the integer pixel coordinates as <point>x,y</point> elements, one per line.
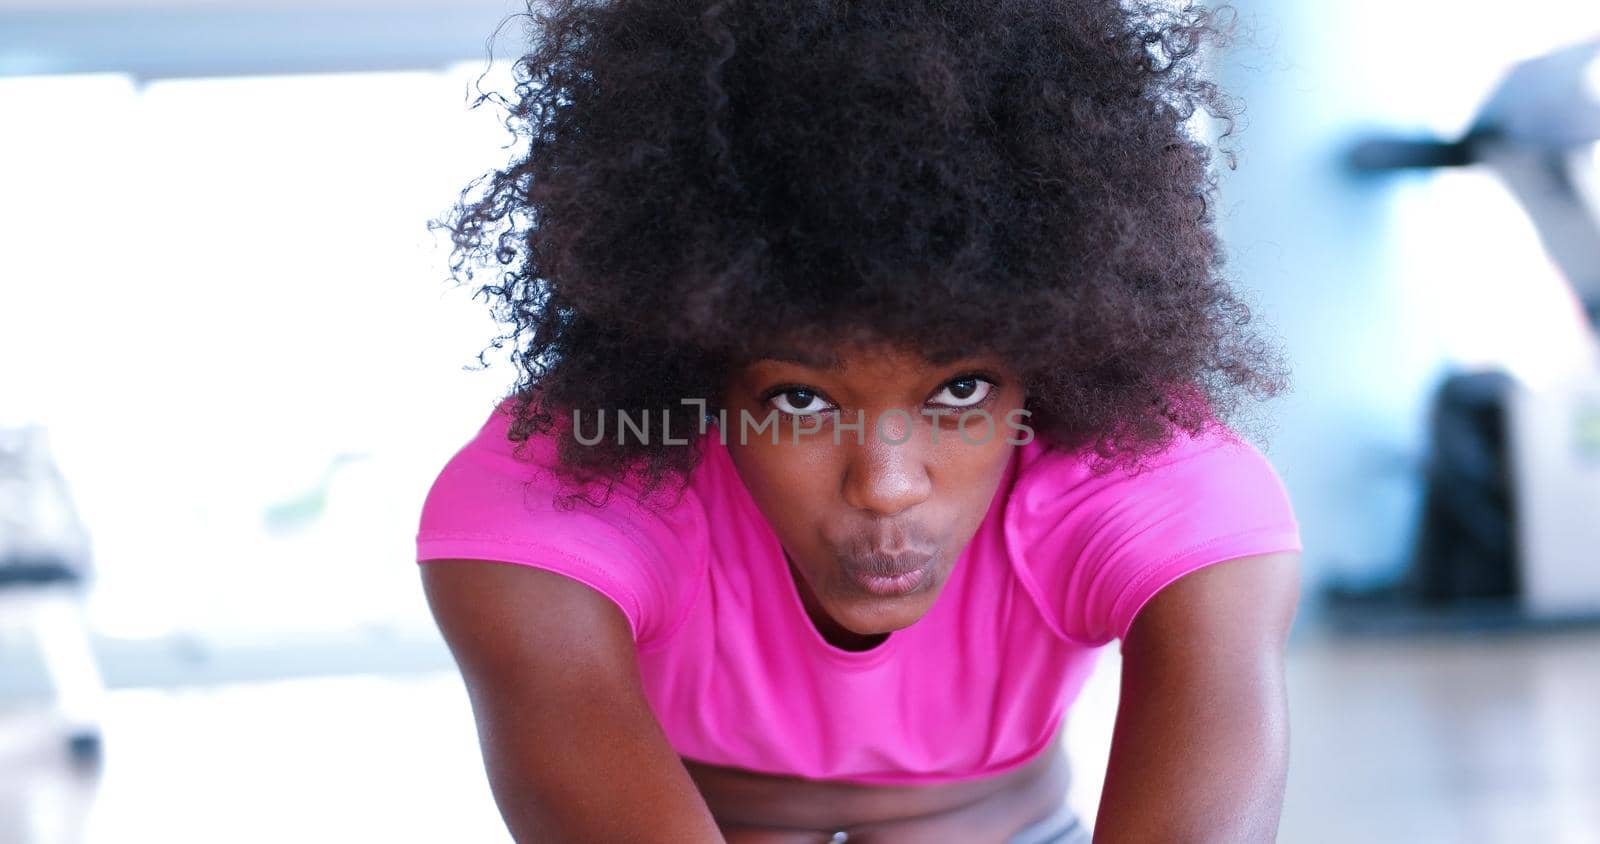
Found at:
<point>842,357</point>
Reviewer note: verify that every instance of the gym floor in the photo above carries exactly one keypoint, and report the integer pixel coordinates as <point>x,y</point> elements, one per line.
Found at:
<point>1423,739</point>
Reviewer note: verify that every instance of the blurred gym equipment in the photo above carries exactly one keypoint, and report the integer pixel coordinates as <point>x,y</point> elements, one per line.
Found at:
<point>1510,531</point>
<point>44,573</point>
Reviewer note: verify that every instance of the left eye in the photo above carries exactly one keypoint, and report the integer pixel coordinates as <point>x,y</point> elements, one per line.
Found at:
<point>964,392</point>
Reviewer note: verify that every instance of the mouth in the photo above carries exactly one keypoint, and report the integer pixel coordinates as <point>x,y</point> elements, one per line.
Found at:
<point>888,574</point>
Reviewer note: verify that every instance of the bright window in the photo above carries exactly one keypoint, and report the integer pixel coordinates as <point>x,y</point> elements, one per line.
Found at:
<point>222,299</point>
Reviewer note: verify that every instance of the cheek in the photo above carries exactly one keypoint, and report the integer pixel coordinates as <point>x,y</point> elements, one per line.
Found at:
<point>971,456</point>
<point>971,473</point>
<point>792,484</point>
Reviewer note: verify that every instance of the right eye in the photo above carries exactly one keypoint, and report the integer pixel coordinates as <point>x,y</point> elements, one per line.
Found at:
<point>798,402</point>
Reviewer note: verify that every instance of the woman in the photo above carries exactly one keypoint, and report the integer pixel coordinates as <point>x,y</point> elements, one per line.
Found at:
<point>874,371</point>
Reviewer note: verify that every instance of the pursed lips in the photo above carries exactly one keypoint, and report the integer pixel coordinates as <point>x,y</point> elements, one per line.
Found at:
<point>879,563</point>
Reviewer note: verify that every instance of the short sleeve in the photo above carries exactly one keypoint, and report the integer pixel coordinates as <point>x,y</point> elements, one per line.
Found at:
<point>1093,550</point>
<point>488,503</point>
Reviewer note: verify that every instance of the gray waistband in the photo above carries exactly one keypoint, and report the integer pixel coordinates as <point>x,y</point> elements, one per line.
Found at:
<point>1061,827</point>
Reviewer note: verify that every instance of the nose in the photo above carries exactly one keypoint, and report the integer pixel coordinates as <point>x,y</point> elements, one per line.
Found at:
<point>884,476</point>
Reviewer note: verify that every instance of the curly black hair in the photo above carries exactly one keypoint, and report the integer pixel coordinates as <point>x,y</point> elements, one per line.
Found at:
<point>695,178</point>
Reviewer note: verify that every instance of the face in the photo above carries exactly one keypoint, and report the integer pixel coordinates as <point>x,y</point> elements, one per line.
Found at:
<point>872,522</point>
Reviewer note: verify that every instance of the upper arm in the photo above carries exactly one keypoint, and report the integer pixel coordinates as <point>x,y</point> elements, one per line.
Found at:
<point>1200,747</point>
<point>572,748</point>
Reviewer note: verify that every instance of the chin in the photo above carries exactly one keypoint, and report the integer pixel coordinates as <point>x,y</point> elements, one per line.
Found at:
<point>871,614</point>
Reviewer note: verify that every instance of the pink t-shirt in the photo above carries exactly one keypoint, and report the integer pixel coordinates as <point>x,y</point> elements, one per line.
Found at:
<point>738,675</point>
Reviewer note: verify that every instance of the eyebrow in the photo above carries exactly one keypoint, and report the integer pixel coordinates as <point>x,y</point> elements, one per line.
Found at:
<point>830,362</point>
<point>814,360</point>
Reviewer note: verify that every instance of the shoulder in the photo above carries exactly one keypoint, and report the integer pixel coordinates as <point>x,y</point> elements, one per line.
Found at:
<point>499,500</point>
<point>1094,548</point>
